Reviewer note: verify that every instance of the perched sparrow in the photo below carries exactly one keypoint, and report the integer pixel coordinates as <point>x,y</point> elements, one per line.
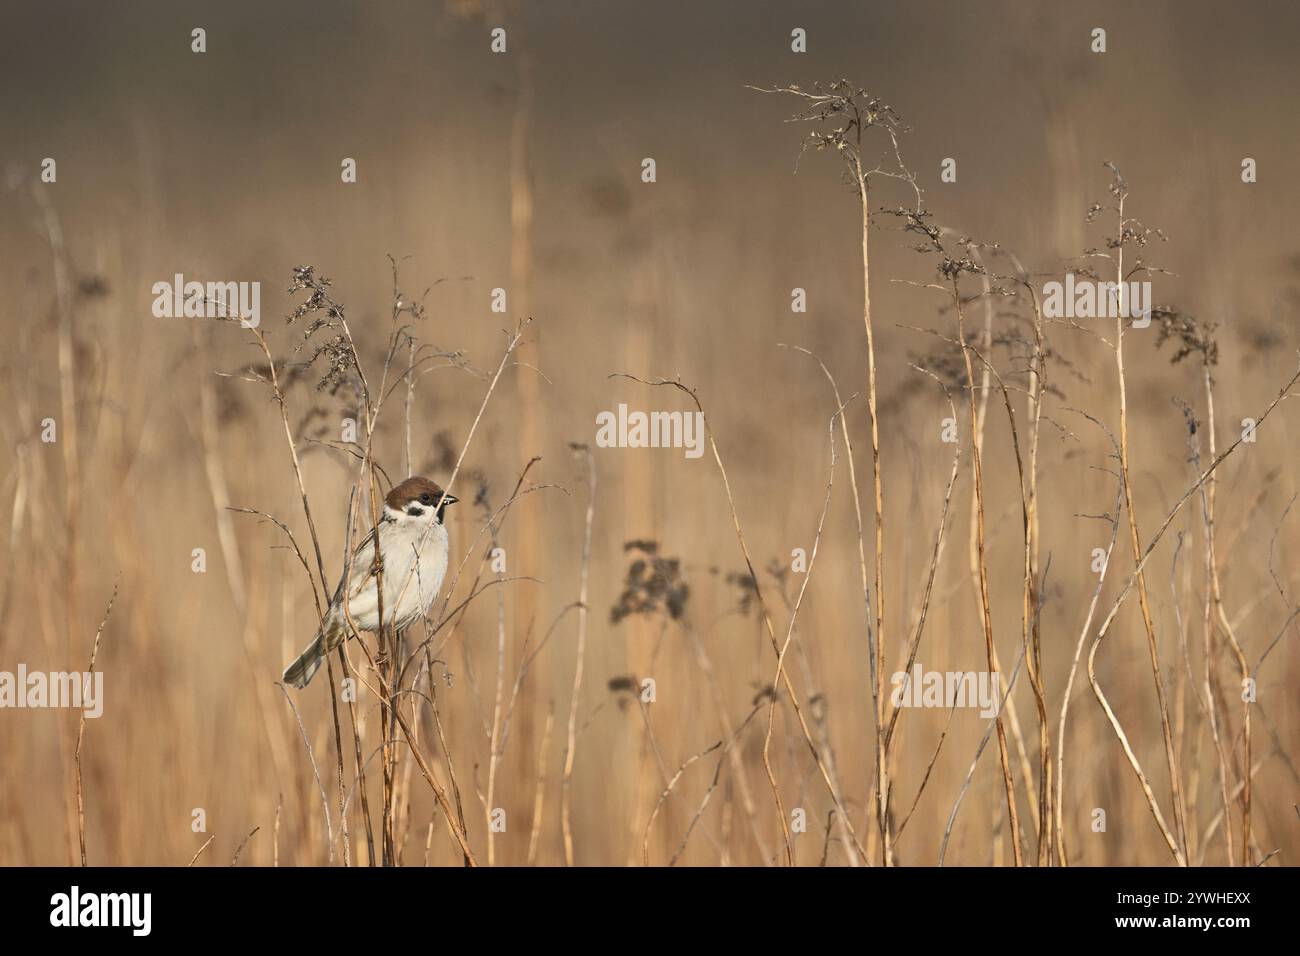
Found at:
<point>413,553</point>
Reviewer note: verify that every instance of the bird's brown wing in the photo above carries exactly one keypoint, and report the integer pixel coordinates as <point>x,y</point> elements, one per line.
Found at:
<point>363,565</point>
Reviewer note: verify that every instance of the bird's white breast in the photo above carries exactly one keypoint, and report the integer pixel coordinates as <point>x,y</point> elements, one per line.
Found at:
<point>414,565</point>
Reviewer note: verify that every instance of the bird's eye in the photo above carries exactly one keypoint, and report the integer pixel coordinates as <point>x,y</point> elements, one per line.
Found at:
<point>426,498</point>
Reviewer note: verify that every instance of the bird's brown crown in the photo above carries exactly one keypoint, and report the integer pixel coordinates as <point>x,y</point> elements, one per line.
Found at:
<point>415,489</point>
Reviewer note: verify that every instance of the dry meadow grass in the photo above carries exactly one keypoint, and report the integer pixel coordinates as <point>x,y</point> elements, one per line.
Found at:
<point>771,738</point>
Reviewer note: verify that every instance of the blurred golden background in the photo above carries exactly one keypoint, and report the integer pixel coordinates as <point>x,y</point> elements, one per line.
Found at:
<point>522,171</point>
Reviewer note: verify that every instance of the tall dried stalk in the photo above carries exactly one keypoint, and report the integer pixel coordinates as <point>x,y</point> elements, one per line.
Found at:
<point>570,746</point>
<point>850,111</point>
<point>543,751</point>
<point>1128,231</point>
<point>1036,373</point>
<point>1197,339</point>
<point>1029,628</point>
<point>81,730</point>
<point>986,615</point>
<point>1216,596</point>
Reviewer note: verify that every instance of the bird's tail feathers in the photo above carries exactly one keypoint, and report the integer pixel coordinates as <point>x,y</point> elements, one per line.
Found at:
<point>304,668</point>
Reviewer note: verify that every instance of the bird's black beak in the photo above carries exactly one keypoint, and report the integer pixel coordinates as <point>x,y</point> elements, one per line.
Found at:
<point>442,506</point>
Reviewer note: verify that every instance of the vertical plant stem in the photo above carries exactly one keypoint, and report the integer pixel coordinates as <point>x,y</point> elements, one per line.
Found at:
<point>1134,538</point>
<point>1217,597</point>
<point>986,617</point>
<point>566,785</point>
<point>877,649</point>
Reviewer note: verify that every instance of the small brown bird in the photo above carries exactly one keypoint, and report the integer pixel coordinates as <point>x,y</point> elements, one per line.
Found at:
<point>413,553</point>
